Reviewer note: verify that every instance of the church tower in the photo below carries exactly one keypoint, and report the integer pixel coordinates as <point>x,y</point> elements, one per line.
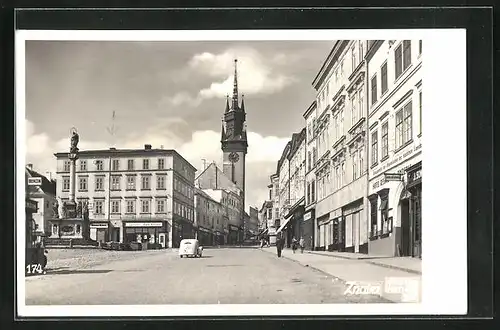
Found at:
<point>234,136</point>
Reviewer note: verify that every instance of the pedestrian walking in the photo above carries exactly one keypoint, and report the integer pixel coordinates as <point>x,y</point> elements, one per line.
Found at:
<point>295,244</point>
<point>279,245</point>
<point>302,244</point>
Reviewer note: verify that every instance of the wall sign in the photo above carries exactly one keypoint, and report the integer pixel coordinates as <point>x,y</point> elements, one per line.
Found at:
<point>415,176</point>
<point>143,224</point>
<point>393,177</point>
<point>35,181</point>
<point>307,216</point>
<point>99,225</point>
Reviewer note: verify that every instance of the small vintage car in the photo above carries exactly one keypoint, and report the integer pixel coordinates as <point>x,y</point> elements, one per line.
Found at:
<point>190,248</point>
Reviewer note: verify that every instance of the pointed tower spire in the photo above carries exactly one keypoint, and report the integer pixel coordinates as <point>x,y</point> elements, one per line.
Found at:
<point>235,87</point>
<point>222,132</point>
<point>242,102</point>
<point>227,103</point>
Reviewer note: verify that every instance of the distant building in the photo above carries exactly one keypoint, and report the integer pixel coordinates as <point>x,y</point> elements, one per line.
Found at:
<point>253,225</point>
<point>215,183</point>
<point>309,226</point>
<point>208,217</point>
<point>133,193</point>
<point>43,191</point>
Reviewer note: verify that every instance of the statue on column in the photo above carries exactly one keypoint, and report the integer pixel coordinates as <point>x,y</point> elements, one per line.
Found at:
<point>61,210</point>
<point>75,138</point>
<point>55,209</point>
<point>64,210</point>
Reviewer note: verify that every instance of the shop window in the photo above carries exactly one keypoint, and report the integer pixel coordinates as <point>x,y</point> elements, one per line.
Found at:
<point>373,217</point>
<point>386,221</point>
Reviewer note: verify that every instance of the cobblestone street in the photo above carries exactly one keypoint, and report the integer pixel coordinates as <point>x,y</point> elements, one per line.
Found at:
<point>222,276</point>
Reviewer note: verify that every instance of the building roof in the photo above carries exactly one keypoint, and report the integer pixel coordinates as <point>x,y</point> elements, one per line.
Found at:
<point>47,186</point>
<point>126,152</point>
<point>198,191</point>
<point>329,62</point>
<point>310,109</point>
<point>297,139</point>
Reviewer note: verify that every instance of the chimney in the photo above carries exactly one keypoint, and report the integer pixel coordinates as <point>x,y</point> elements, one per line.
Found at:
<point>147,147</point>
<point>30,166</point>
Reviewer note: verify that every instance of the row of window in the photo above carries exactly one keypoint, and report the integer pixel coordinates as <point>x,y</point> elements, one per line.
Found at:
<point>184,211</point>
<point>402,61</point>
<point>130,206</point>
<point>385,223</point>
<point>116,182</point>
<point>403,132</point>
<point>183,188</point>
<point>115,165</point>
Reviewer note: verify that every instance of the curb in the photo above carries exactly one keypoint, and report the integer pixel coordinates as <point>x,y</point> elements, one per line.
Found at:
<point>411,271</point>
<point>367,259</point>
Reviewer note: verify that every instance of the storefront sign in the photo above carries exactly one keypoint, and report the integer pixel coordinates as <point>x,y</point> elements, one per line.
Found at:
<point>35,181</point>
<point>143,224</point>
<point>307,216</point>
<point>402,156</point>
<point>415,176</point>
<point>98,225</point>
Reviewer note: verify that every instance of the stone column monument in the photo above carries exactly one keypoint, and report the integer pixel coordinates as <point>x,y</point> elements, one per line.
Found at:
<point>73,156</point>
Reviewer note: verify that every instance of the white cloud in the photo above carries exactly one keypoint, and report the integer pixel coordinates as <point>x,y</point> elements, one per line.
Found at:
<point>262,155</point>
<point>256,75</point>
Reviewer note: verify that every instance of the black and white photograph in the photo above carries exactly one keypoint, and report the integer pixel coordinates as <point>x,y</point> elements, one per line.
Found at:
<point>241,172</point>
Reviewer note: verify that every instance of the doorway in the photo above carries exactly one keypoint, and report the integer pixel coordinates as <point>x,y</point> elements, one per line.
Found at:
<point>405,228</point>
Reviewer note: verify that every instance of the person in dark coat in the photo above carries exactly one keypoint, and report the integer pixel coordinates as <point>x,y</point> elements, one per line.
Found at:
<point>279,245</point>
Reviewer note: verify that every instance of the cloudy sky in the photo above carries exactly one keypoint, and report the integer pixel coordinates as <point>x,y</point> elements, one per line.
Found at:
<point>170,94</point>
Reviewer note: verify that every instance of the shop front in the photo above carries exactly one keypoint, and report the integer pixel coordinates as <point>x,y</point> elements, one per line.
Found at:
<point>99,231</point>
<point>307,228</point>
<point>233,235</point>
<point>413,196</point>
<point>355,228</point>
<point>296,223</point>
<point>144,232</point>
<point>323,229</point>
<point>181,229</point>
<point>205,236</point>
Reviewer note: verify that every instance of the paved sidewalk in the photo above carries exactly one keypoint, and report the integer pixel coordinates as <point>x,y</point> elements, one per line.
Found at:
<point>407,264</point>
<point>356,270</point>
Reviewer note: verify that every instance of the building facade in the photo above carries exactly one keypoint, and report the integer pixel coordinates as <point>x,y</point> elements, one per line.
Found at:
<point>296,157</point>
<point>253,225</point>
<point>43,191</point>
<point>309,227</point>
<point>340,169</point>
<point>208,218</point>
<point>395,148</point>
<point>133,194</point>
<point>273,222</point>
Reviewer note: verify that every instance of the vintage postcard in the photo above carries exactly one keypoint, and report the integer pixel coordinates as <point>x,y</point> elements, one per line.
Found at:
<point>271,172</point>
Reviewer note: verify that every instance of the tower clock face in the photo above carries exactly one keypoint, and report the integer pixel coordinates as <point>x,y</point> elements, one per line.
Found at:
<point>234,157</point>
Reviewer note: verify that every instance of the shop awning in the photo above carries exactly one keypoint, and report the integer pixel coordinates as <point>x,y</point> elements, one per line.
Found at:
<point>283,225</point>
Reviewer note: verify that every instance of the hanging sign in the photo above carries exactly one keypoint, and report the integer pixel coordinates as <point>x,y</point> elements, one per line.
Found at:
<point>393,177</point>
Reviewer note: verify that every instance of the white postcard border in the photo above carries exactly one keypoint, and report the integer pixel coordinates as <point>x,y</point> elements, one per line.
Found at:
<point>444,272</point>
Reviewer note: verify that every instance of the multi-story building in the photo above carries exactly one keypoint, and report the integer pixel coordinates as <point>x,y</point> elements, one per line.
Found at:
<point>43,191</point>
<point>395,148</point>
<point>273,222</point>
<point>283,174</point>
<point>253,224</point>
<point>297,168</point>
<point>309,226</point>
<point>133,193</point>
<point>208,216</point>
<point>266,216</point>
<point>214,179</point>
<point>227,232</point>
<point>341,170</point>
